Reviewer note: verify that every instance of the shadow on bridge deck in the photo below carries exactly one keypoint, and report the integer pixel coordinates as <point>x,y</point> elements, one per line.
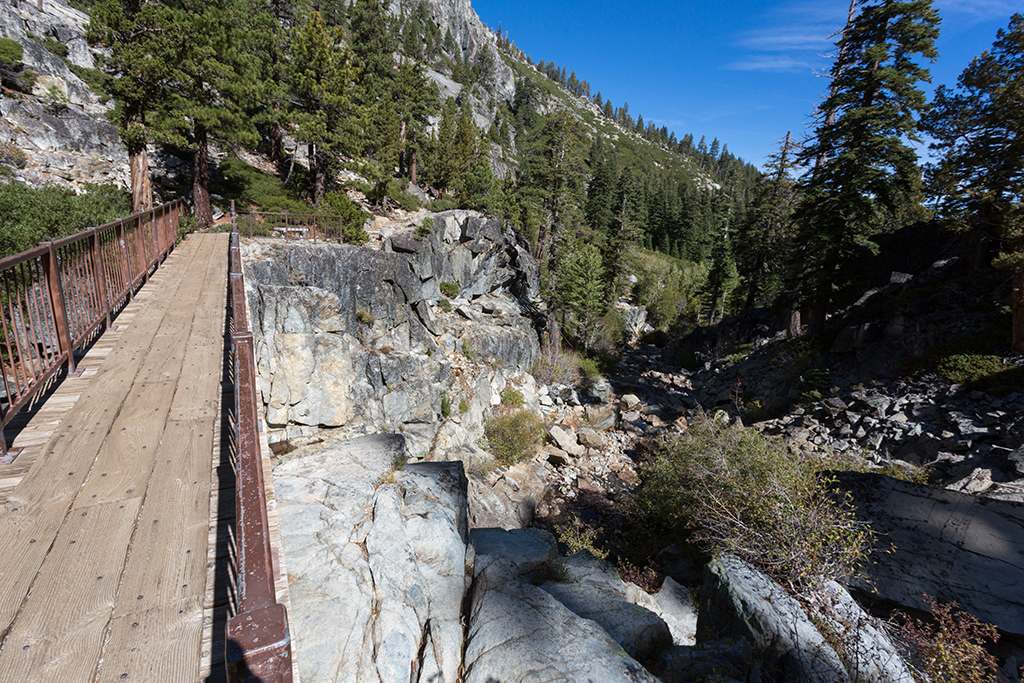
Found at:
<point>117,518</point>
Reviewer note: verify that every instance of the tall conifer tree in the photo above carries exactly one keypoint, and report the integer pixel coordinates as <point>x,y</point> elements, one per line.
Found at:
<point>979,127</point>
<point>866,179</point>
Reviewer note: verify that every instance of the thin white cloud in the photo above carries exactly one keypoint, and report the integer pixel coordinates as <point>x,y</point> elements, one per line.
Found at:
<point>792,38</point>
<point>979,10</point>
<point>770,63</point>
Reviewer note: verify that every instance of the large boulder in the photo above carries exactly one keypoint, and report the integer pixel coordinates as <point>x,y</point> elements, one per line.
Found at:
<point>593,590</point>
<point>519,632</point>
<point>948,545</point>
<point>737,601</point>
<point>378,571</point>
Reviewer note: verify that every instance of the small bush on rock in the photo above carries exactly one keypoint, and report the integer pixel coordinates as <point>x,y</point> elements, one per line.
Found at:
<point>969,367</point>
<point>733,490</point>
<point>513,436</point>
<point>951,646</point>
<point>425,228</point>
<point>449,289</point>
<point>352,218</point>
<point>55,47</point>
<point>365,317</point>
<point>556,367</point>
<point>463,406</point>
<point>446,405</point>
<point>577,535</point>
<point>27,80</point>
<point>512,397</point>
<point>11,53</point>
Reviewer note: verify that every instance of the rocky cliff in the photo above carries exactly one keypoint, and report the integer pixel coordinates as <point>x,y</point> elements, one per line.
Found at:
<point>363,341</point>
<point>70,143</point>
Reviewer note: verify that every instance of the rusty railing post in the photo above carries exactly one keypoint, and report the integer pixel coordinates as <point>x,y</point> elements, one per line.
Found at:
<point>100,274</point>
<point>122,239</point>
<point>60,318</point>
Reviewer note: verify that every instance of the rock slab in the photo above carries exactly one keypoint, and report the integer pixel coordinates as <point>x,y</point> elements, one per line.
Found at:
<point>378,571</point>
<point>948,545</point>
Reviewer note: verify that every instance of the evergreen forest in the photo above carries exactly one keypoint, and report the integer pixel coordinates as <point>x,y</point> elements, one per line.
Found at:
<point>609,204</point>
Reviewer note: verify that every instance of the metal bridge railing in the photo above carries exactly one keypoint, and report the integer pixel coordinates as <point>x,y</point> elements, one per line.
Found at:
<point>59,296</point>
<point>259,644</point>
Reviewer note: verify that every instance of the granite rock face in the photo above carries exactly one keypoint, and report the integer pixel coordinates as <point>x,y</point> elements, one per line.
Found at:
<point>358,338</point>
<point>378,571</point>
<point>740,602</point>
<point>521,632</point>
<point>70,144</point>
<point>593,590</point>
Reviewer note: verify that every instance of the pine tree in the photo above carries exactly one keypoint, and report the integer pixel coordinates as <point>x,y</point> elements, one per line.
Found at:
<point>866,178</point>
<point>267,45</point>
<point>441,169</point>
<point>139,58</point>
<point>324,90</point>
<point>979,128</point>
<point>416,100</point>
<point>580,298</point>
<point>766,235</point>
<point>600,212</point>
<point>552,169</point>
<point>627,228</point>
<point>210,82</point>
<point>722,279</point>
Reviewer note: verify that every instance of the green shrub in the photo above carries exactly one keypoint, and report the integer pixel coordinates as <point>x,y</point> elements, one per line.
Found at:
<point>450,289</point>
<point>397,192</point>
<point>352,217</point>
<point>99,83</point>
<point>11,53</point>
<point>589,367</point>
<point>445,305</point>
<point>443,204</point>
<point>27,80</point>
<point>365,317</point>
<point>463,406</point>
<point>512,397</point>
<point>55,100</point>
<point>467,349</point>
<point>815,385</point>
<point>55,47</point>
<point>252,189</point>
<point>733,490</point>
<point>556,367</point>
<point>577,535</point>
<point>425,228</point>
<point>186,225</point>
<point>513,436</point>
<point>968,368</point>
<point>30,216</point>
<point>446,404</point>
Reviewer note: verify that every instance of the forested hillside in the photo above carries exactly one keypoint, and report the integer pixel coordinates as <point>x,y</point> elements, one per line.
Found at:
<point>422,92</point>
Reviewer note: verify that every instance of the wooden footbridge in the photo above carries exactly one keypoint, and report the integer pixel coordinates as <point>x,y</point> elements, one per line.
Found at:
<point>134,526</point>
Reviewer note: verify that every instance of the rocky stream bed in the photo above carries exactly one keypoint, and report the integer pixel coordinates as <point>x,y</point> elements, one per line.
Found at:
<point>445,569</point>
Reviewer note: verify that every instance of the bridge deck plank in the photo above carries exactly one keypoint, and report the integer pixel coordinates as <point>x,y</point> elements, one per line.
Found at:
<point>36,508</point>
<point>140,446</point>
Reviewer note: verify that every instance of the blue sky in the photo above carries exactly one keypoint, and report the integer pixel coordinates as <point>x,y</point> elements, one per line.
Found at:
<point>743,71</point>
